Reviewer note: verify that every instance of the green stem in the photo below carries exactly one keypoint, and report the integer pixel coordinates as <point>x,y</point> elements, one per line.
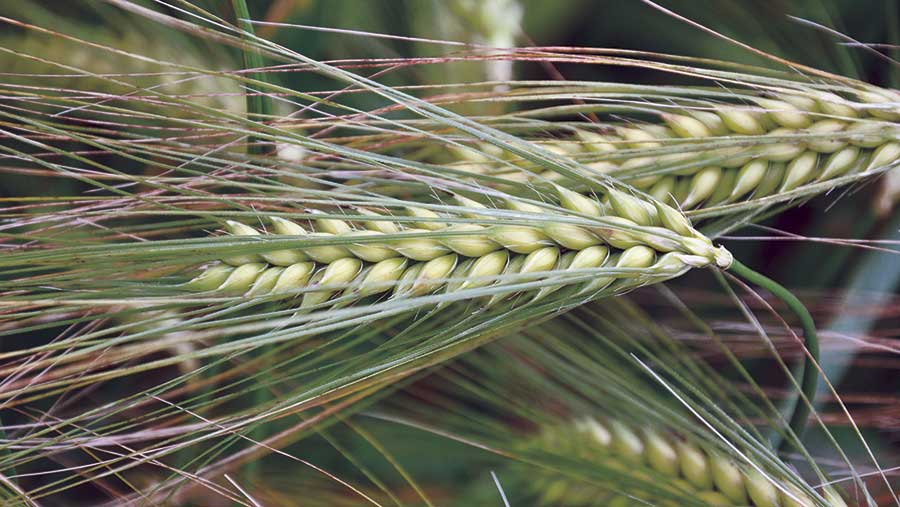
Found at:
<point>810,375</point>
<point>259,105</point>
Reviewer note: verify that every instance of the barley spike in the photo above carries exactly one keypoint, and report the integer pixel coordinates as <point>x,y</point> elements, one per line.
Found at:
<point>826,136</point>
<point>664,459</point>
<point>640,241</point>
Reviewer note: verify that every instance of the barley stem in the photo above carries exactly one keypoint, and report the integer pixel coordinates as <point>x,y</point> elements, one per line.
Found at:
<point>259,104</point>
<point>810,377</point>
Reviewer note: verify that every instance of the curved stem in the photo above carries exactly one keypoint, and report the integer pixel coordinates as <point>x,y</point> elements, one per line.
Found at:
<point>810,376</point>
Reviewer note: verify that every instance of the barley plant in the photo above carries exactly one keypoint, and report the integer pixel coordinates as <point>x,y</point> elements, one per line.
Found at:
<point>437,253</point>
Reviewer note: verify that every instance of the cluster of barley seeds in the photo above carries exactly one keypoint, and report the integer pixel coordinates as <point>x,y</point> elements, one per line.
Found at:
<point>773,145</point>
<point>666,460</point>
<point>378,255</point>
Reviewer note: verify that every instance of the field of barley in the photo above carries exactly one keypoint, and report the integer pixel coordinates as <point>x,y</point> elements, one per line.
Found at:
<point>511,253</point>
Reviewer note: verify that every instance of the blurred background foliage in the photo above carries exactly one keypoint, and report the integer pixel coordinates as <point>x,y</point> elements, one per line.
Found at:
<point>851,289</point>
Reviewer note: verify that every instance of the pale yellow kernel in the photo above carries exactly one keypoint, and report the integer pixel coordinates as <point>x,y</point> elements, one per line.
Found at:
<point>674,219</point>
<point>638,138</point>
<point>662,190</point>
<point>760,489</point>
<point>471,204</point>
<point>337,273</point>
<point>242,278</point>
<point>595,142</point>
<point>519,239</point>
<point>265,282</point>
<point>210,279</point>
<point>748,178</point>
<point>420,249</point>
<point>625,443</point>
<point>636,257</point>
<point>432,224</point>
<point>295,276</point>
<point>475,245</point>
<point>384,226</point>
<point>782,152</point>
<point>617,232</point>
<point>332,226</point>
<point>239,229</point>
<point>703,184</point>
<point>591,257</point>
<point>660,453</point>
<point>574,201</point>
<point>839,163</point>
<point>685,126</point>
<point>741,121</point>
<point>832,104</point>
<point>382,276</point>
<point>543,259</point>
<point>728,478</point>
<point>629,207</point>
<point>694,465</point>
<point>370,252</point>
<point>882,98</point>
<point>597,433</point>
<point>571,236</point>
<point>801,102</point>
<point>326,254</point>
<point>712,121</point>
<point>799,171</point>
<point>884,155</point>
<point>830,143</point>
<point>785,114</point>
<point>433,273</point>
<point>484,268</point>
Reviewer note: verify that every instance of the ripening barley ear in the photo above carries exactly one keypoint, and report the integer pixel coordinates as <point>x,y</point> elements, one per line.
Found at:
<point>577,408</point>
<point>35,53</point>
<point>627,243</point>
<point>673,466</point>
<point>715,158</point>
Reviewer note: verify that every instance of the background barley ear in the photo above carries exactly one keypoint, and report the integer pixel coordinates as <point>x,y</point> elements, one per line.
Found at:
<point>396,253</point>
<point>576,416</point>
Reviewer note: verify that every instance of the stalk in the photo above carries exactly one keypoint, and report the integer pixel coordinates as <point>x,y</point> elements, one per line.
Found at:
<point>809,377</point>
<point>259,104</point>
